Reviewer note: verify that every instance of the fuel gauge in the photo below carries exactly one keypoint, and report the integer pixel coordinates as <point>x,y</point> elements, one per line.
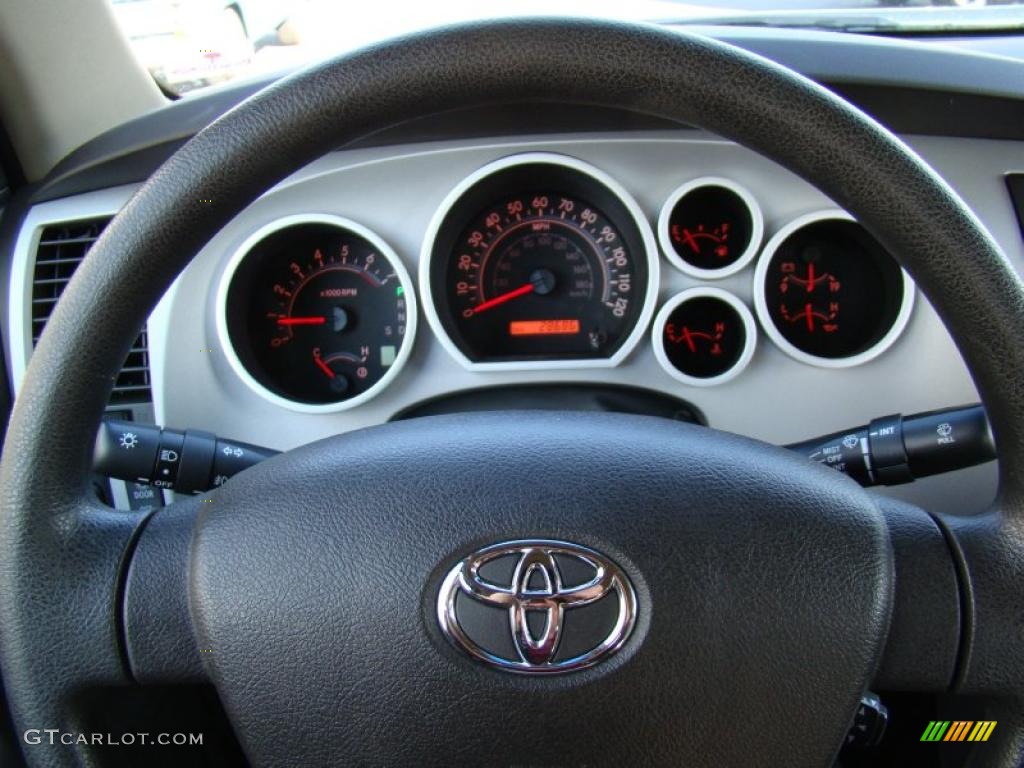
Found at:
<point>704,336</point>
<point>710,228</point>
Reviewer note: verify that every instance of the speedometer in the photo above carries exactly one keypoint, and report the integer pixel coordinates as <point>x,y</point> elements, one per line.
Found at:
<point>539,261</point>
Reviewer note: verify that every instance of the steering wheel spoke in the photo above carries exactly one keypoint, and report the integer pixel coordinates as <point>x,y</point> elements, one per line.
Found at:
<point>59,628</point>
<point>990,549</point>
<point>160,640</point>
<point>927,624</point>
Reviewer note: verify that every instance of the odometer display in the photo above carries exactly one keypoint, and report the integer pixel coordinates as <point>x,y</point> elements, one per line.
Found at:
<point>539,261</point>
<point>543,327</point>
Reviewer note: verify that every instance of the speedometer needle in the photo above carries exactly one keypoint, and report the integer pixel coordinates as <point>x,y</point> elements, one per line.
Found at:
<point>314,320</point>
<point>497,300</point>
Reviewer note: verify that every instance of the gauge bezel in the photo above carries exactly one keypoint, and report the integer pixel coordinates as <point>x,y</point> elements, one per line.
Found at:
<point>238,256</point>
<point>756,228</point>
<point>773,333</point>
<point>639,220</point>
<point>699,292</point>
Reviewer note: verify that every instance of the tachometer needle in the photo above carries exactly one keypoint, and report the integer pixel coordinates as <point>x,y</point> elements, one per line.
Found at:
<point>497,300</point>
<point>323,367</point>
<point>314,320</point>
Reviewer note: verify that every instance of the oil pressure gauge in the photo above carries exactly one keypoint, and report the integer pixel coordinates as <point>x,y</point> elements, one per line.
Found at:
<point>318,313</point>
<point>828,293</point>
<point>704,336</point>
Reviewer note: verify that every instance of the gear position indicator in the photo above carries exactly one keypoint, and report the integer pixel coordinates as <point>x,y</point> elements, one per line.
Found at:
<point>704,336</point>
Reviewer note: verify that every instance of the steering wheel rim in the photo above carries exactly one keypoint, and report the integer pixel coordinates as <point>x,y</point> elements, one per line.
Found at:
<point>63,556</point>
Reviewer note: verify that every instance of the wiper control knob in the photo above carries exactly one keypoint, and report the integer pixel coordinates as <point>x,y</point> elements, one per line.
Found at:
<point>896,449</point>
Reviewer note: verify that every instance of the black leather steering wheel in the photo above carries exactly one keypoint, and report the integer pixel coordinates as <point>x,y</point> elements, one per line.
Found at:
<point>770,591</point>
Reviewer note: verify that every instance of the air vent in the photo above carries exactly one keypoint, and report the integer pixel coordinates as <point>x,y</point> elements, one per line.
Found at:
<point>1015,181</point>
<point>61,249</point>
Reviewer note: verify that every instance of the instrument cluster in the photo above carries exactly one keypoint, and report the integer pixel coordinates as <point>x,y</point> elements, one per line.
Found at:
<point>542,261</point>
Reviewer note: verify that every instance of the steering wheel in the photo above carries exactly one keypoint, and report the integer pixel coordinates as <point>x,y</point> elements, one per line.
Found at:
<point>768,592</point>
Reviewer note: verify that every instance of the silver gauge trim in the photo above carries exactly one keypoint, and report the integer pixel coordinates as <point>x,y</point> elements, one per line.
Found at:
<point>756,228</point>
<point>764,316</point>
<point>548,158</point>
<point>343,223</point>
<point>749,344</point>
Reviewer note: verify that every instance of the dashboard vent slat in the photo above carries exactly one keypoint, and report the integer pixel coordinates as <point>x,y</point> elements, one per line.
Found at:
<point>61,249</point>
<point>87,239</point>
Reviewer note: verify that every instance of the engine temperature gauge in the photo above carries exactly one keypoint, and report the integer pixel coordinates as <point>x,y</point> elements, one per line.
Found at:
<point>318,312</point>
<point>828,293</point>
<point>704,336</point>
<point>710,228</point>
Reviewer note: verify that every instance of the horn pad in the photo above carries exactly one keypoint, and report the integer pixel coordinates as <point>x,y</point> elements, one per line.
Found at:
<point>759,584</point>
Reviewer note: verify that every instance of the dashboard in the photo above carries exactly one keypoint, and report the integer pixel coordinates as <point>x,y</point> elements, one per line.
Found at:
<point>382,278</point>
<point>539,261</point>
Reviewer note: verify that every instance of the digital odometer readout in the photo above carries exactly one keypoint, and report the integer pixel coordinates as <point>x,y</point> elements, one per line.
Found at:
<point>543,327</point>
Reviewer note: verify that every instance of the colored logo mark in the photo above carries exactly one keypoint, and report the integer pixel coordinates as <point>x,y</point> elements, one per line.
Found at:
<point>958,730</point>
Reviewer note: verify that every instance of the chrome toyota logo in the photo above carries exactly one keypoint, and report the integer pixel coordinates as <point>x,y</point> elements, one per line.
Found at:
<point>537,607</point>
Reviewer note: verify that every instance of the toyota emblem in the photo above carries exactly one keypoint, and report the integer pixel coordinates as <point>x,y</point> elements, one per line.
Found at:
<point>537,607</point>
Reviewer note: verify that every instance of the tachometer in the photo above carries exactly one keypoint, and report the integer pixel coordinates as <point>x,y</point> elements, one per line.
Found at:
<point>318,312</point>
<point>539,261</point>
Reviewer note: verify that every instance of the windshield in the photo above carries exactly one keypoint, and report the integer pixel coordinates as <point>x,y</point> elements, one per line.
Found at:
<point>191,44</point>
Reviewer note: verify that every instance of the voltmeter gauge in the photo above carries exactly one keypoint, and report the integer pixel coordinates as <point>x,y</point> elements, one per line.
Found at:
<point>827,293</point>
<point>704,336</point>
<point>318,313</point>
<point>710,228</point>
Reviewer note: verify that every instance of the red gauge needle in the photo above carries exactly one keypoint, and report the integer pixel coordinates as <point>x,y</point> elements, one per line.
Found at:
<point>323,367</point>
<point>315,320</point>
<point>691,241</point>
<point>810,278</point>
<point>810,318</point>
<point>688,337</point>
<point>497,300</point>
